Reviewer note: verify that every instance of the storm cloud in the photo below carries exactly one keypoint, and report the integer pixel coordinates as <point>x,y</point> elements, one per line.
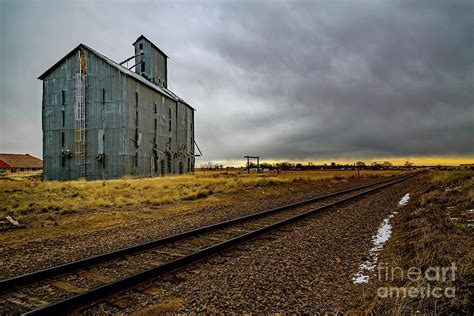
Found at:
<point>284,80</point>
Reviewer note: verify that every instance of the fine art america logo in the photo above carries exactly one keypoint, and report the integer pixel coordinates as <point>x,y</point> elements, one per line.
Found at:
<point>422,287</point>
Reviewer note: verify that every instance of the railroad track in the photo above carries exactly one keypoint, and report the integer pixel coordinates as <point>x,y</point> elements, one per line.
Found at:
<point>67,287</point>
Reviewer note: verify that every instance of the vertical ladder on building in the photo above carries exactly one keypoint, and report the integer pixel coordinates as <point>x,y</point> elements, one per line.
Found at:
<point>80,115</point>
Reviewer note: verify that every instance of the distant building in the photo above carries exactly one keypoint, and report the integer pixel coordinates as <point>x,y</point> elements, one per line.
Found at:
<point>469,166</point>
<point>19,162</point>
<point>102,121</point>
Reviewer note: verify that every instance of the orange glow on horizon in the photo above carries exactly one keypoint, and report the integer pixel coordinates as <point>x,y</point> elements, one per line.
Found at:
<point>396,161</point>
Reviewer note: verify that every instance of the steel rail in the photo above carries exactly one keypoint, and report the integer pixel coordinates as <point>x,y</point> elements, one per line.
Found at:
<point>96,294</point>
<point>36,276</point>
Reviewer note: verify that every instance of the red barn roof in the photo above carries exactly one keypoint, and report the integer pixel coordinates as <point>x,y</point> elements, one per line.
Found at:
<point>20,161</point>
<point>4,165</point>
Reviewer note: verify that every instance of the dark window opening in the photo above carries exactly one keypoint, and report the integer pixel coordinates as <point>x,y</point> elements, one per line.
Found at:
<point>136,99</point>
<point>155,160</point>
<point>143,66</point>
<point>63,117</point>
<point>103,96</point>
<point>62,147</point>
<point>136,137</point>
<point>156,125</point>
<point>140,46</point>
<point>169,119</point>
<point>156,108</point>
<point>169,143</point>
<point>63,97</point>
<point>136,118</point>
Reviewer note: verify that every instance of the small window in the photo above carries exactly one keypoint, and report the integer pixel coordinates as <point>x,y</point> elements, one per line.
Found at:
<point>156,125</point>
<point>103,96</point>
<point>136,118</point>
<point>169,119</point>
<point>63,116</point>
<point>140,46</point>
<point>62,147</point>
<point>156,108</point>
<point>136,99</point>
<point>143,66</point>
<point>169,143</point>
<point>63,97</point>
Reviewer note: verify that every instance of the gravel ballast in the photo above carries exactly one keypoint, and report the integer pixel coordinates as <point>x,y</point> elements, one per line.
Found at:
<point>42,252</point>
<point>304,267</point>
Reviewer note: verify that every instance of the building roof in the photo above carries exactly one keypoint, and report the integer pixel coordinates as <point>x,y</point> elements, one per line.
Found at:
<point>4,165</point>
<point>156,47</point>
<point>21,161</point>
<point>119,67</point>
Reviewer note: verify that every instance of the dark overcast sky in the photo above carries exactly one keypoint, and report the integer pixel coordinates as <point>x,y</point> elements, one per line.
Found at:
<point>292,80</point>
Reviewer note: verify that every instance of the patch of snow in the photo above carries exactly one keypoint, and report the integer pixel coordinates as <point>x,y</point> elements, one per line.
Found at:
<point>378,240</point>
<point>360,278</point>
<point>404,200</point>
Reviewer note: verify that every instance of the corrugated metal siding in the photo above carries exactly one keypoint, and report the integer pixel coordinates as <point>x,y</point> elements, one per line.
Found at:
<point>62,78</point>
<point>115,116</point>
<point>103,112</point>
<point>155,61</point>
<point>146,126</point>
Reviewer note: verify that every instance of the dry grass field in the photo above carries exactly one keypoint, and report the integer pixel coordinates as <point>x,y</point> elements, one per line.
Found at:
<point>53,209</point>
<point>20,196</point>
<point>436,232</point>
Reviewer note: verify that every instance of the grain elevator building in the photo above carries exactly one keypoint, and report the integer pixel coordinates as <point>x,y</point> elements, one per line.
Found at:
<point>101,120</point>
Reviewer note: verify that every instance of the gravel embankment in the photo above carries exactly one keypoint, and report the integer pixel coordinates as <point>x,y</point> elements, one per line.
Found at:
<point>305,267</point>
<point>43,253</point>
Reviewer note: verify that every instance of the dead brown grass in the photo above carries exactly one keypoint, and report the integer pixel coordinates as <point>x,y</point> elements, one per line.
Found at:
<point>54,209</point>
<point>170,305</point>
<point>426,235</point>
<point>21,196</point>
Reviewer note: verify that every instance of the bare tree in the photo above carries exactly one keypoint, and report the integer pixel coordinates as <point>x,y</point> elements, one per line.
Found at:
<point>360,164</point>
<point>386,164</point>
